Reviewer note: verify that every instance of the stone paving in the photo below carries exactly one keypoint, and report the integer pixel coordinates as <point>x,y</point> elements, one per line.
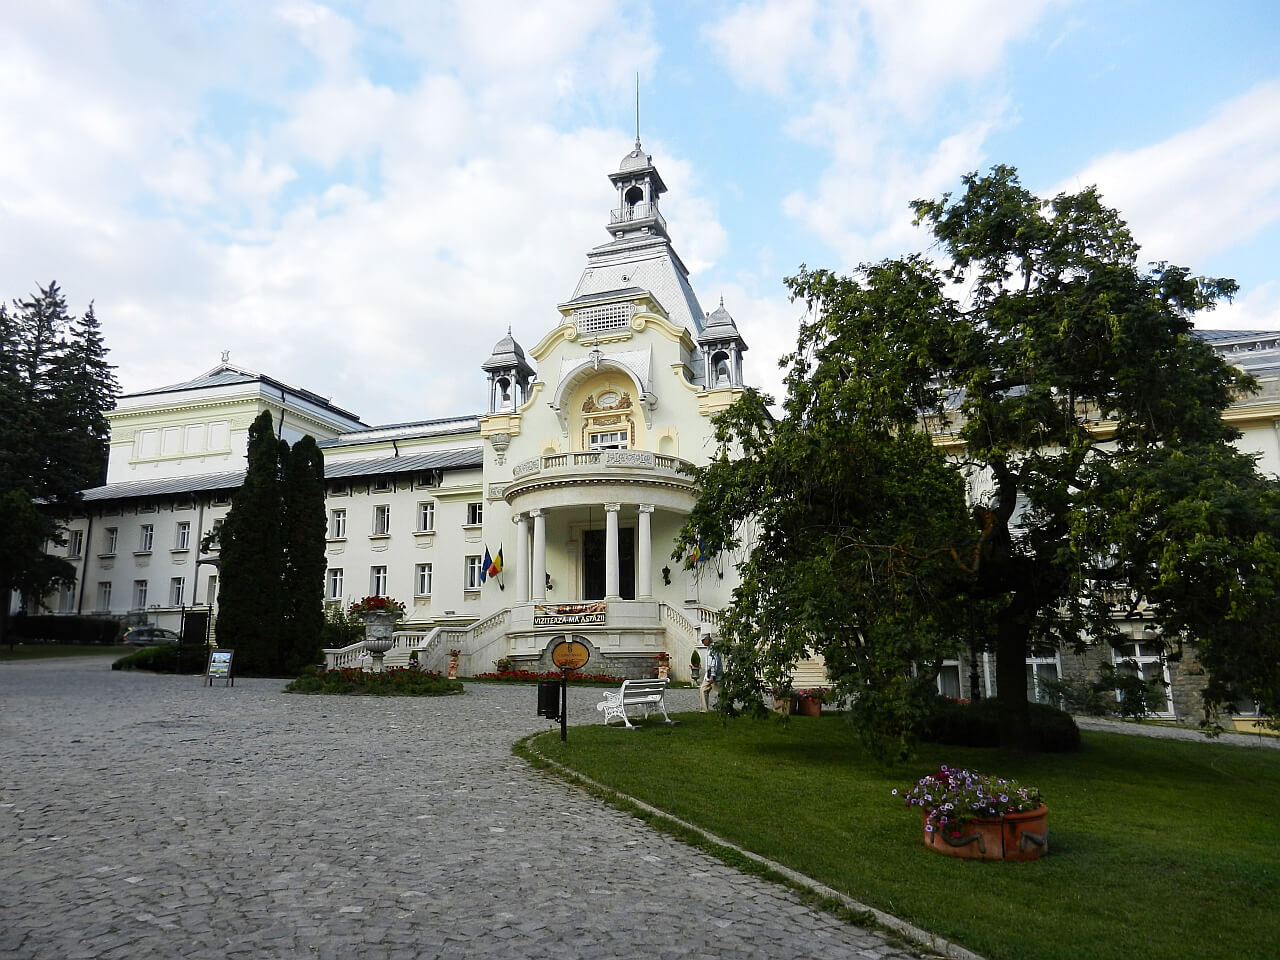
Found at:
<point>148,816</point>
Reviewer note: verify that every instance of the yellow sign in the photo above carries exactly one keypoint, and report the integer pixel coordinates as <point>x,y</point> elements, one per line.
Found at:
<point>570,655</point>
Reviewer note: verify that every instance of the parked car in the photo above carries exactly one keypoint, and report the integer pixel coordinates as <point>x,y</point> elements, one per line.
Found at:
<point>150,636</point>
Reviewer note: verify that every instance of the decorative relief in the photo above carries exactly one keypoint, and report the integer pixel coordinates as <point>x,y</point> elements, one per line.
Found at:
<point>496,490</point>
<point>526,468</point>
<point>629,458</point>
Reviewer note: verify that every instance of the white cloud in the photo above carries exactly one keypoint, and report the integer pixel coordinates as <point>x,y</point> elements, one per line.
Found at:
<point>1257,309</point>
<point>1203,190</point>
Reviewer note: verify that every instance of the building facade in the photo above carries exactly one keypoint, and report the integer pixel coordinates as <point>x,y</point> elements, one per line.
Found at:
<point>550,514</point>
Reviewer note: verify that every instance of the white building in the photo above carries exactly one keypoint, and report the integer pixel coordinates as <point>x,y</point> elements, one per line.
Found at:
<point>574,474</point>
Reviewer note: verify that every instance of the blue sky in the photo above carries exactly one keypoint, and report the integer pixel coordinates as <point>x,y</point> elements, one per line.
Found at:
<point>360,198</point>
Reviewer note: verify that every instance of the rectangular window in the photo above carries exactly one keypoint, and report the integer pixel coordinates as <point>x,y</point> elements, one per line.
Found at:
<point>338,524</point>
<point>182,537</point>
<point>333,583</point>
<point>1040,670</point>
<point>104,596</point>
<point>177,587</point>
<point>609,440</point>
<point>147,508</point>
<point>382,485</point>
<point>426,516</point>
<point>341,489</point>
<point>475,513</point>
<point>422,580</point>
<point>211,591</point>
<point>949,679</point>
<point>139,594</point>
<point>110,539</point>
<point>1145,659</point>
<point>75,543</point>
<point>146,534</point>
<point>67,598</point>
<point>377,581</point>
<point>221,498</point>
<point>382,519</point>
<point>472,579</point>
<point>427,478</point>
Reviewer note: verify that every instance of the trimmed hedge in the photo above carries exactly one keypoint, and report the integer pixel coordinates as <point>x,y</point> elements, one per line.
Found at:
<point>961,724</point>
<point>167,658</point>
<point>396,682</point>
<point>48,628</point>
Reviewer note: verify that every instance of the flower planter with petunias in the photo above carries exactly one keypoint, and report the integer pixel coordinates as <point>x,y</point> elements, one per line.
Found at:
<point>979,817</point>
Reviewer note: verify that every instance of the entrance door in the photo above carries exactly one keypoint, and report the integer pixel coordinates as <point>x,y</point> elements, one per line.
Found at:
<point>593,564</point>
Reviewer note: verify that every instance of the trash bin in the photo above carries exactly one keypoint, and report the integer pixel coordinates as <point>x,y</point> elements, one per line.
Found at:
<point>549,699</point>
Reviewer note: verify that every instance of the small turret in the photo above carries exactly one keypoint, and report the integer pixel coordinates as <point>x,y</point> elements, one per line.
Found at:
<point>509,375</point>
<point>722,349</point>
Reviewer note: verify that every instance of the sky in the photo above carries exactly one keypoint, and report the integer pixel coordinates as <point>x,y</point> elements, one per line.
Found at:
<point>359,198</point>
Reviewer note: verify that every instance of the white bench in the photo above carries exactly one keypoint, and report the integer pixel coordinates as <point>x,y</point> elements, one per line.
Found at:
<point>645,694</point>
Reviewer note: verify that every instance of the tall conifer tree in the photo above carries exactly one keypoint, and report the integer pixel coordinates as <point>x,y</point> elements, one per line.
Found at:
<point>251,606</point>
<point>304,545</point>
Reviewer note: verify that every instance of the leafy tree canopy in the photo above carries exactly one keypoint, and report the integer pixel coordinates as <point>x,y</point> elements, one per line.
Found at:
<point>987,449</point>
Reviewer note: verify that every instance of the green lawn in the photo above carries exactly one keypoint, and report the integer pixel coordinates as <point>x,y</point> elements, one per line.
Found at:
<point>1158,848</point>
<point>39,651</point>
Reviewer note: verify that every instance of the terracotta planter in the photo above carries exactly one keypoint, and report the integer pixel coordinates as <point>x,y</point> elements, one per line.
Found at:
<point>1015,836</point>
<point>808,706</point>
<point>453,667</point>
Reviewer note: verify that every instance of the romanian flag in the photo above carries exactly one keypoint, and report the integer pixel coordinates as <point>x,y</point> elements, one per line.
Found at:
<point>495,567</point>
<point>484,567</point>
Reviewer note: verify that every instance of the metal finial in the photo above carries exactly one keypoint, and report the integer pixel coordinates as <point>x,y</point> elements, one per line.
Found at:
<point>637,109</point>
<point>226,356</point>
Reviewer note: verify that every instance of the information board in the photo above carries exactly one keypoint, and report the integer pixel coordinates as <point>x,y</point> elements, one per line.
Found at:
<point>219,667</point>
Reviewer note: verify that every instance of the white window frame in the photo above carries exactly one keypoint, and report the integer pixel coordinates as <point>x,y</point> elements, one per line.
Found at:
<point>422,580</point>
<point>139,595</point>
<point>426,516</point>
<point>471,572</point>
<point>383,485</point>
<point>475,513</point>
<point>177,591</point>
<point>67,598</point>
<point>381,520</point>
<point>146,537</point>
<point>1145,660</point>
<point>338,523</point>
<point>378,581</point>
<point>949,665</point>
<point>609,440</point>
<point>75,543</point>
<point>1035,665</point>
<point>333,583</point>
<point>182,535</point>
<point>111,538</point>
<point>104,596</point>
<point>211,590</point>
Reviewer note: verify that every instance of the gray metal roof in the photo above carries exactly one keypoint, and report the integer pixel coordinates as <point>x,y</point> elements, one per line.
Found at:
<point>440,460</point>
<point>444,426</point>
<point>144,489</point>
<point>225,375</point>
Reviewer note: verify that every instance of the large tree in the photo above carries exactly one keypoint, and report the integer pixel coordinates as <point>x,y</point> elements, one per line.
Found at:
<point>251,559</point>
<point>304,554</point>
<point>1068,385</point>
<point>55,389</point>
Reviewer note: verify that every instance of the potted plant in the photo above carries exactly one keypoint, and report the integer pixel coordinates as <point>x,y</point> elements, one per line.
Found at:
<point>695,665</point>
<point>809,702</point>
<point>664,663</point>
<point>379,615</point>
<point>781,700</point>
<point>977,816</point>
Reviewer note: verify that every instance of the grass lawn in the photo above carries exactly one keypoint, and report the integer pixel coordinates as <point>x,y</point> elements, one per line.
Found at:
<point>39,651</point>
<point>1158,848</point>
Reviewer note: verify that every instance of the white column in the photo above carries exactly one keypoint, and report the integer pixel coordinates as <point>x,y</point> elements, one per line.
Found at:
<point>522,558</point>
<point>611,564</point>
<point>539,583</point>
<point>644,553</point>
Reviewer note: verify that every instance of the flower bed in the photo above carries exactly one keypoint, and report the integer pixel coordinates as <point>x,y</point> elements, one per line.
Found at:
<point>531,676</point>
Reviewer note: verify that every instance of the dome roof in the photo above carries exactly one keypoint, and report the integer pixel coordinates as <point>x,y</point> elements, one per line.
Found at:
<point>637,159</point>
<point>718,325</point>
<point>506,353</point>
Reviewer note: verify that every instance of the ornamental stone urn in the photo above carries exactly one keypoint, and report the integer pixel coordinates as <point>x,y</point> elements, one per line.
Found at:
<point>378,628</point>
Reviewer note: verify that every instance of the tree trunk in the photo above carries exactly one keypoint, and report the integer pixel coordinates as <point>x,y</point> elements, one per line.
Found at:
<point>1012,643</point>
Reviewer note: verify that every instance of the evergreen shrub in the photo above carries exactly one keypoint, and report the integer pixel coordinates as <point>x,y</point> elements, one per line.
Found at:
<point>396,682</point>
<point>959,723</point>
<point>189,658</point>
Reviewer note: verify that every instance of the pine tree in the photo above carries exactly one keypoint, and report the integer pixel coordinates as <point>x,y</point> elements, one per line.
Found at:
<point>304,556</point>
<point>251,604</point>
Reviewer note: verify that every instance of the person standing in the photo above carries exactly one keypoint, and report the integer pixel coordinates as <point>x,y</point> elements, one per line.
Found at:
<point>711,674</point>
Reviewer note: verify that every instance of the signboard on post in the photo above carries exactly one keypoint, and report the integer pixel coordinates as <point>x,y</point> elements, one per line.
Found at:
<point>219,668</point>
<point>570,655</point>
<point>567,655</point>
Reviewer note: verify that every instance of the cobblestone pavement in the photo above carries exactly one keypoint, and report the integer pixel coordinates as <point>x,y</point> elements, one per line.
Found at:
<point>149,816</point>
